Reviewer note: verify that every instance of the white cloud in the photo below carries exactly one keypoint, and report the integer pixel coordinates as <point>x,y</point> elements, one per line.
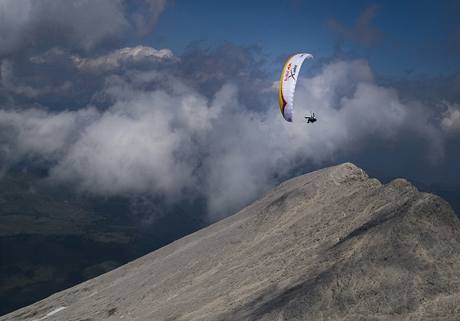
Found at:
<point>176,142</point>
<point>117,58</point>
<point>451,118</point>
<point>144,145</point>
<point>35,132</point>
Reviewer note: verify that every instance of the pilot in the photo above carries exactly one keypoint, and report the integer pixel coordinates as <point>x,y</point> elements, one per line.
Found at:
<point>311,119</point>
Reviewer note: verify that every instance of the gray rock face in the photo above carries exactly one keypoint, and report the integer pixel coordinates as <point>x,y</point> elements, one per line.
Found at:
<point>328,245</point>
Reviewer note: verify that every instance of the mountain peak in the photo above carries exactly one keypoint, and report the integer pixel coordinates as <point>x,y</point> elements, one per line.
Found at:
<point>333,244</point>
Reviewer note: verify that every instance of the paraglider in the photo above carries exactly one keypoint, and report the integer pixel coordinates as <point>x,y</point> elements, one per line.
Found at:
<point>287,85</point>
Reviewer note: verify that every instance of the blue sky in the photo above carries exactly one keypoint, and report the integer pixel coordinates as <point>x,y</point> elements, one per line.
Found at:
<point>416,37</point>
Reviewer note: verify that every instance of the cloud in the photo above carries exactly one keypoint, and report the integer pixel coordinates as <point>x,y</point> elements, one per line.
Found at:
<point>117,58</point>
<point>62,79</point>
<point>362,32</point>
<point>33,132</point>
<point>77,23</point>
<point>144,144</point>
<point>175,135</point>
<point>73,24</point>
<point>451,118</point>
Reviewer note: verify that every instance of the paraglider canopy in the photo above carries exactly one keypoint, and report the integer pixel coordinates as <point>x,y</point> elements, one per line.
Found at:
<point>287,84</point>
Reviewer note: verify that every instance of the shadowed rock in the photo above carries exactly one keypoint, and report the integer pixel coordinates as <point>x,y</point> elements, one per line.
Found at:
<point>328,245</point>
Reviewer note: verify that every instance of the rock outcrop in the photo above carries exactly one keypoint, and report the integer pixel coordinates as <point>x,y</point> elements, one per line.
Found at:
<point>329,245</point>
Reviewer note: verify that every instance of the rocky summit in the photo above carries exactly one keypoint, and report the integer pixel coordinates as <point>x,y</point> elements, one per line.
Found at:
<point>329,245</point>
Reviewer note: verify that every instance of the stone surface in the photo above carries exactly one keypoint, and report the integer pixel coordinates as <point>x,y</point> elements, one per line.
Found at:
<point>329,245</point>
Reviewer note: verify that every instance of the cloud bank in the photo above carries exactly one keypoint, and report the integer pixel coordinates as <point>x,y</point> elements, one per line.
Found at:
<point>172,134</point>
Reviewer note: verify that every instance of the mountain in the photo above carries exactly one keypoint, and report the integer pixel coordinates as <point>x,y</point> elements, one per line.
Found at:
<point>329,245</point>
<point>52,238</point>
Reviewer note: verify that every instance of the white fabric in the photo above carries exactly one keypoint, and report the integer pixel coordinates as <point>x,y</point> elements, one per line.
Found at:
<point>288,81</point>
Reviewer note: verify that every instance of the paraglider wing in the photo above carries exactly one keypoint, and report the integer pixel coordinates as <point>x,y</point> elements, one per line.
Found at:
<point>288,81</point>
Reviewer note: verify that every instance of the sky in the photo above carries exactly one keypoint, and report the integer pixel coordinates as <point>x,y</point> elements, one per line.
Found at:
<point>396,37</point>
<point>178,99</point>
